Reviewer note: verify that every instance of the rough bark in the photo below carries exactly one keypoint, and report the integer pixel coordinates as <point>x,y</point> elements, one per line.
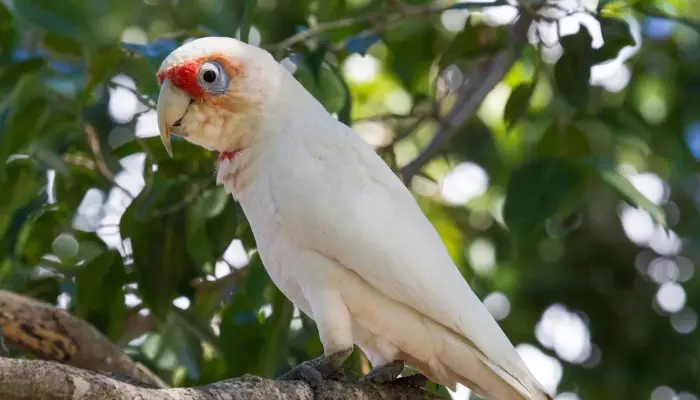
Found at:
<point>46,380</point>
<point>54,334</point>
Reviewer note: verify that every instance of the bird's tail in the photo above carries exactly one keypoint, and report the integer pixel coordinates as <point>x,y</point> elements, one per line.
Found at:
<point>458,361</point>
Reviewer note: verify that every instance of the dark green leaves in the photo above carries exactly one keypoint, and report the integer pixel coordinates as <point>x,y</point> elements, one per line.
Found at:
<point>19,186</point>
<point>536,191</point>
<point>323,82</point>
<point>162,267</point>
<point>10,75</point>
<point>21,117</point>
<point>247,18</point>
<point>207,228</point>
<point>100,66</point>
<point>573,70</point>
<point>518,103</point>
<point>567,142</point>
<point>7,32</point>
<point>99,294</point>
<point>616,33</point>
<point>473,43</point>
<point>66,17</point>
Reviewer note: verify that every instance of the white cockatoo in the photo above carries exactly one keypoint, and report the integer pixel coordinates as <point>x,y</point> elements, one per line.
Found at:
<point>337,230</point>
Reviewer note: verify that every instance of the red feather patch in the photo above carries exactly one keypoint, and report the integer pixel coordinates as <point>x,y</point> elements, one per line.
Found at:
<point>184,77</point>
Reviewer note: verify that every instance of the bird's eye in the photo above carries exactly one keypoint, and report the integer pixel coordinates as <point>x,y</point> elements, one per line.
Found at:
<point>213,78</point>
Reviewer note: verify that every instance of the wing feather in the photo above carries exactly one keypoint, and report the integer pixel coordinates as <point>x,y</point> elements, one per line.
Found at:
<point>388,241</point>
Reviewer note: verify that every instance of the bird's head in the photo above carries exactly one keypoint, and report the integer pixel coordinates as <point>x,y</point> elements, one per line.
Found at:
<point>214,91</point>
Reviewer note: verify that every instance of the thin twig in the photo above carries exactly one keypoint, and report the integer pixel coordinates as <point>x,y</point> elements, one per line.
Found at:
<point>142,98</point>
<point>100,163</point>
<point>481,80</point>
<point>394,117</point>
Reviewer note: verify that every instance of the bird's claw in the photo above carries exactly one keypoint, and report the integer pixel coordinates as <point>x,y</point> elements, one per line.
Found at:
<point>389,373</point>
<point>384,373</point>
<point>306,372</point>
<point>315,371</point>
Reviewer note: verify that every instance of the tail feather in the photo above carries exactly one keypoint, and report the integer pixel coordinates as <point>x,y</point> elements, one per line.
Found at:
<point>458,361</point>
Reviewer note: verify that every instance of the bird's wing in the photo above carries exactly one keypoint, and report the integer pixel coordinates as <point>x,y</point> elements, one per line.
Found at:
<point>365,218</point>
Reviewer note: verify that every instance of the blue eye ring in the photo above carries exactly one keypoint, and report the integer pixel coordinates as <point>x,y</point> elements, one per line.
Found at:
<point>213,78</point>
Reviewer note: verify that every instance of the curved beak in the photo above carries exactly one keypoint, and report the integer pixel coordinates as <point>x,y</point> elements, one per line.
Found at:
<point>172,106</point>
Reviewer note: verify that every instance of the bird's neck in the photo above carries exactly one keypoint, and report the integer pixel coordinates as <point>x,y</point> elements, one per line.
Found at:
<point>292,111</point>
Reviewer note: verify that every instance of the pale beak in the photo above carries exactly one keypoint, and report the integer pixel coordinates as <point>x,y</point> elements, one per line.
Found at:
<point>172,106</point>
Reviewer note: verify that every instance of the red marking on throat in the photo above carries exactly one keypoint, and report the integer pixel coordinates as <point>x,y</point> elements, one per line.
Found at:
<point>228,155</point>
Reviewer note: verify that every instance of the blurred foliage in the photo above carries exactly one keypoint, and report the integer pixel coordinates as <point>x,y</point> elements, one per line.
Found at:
<point>80,229</point>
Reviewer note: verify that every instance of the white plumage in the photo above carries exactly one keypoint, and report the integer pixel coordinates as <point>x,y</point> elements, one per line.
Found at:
<point>345,240</point>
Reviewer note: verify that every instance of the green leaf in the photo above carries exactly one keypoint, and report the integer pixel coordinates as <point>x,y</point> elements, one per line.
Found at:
<point>162,267</point>
<point>101,65</point>
<point>198,243</point>
<point>572,72</point>
<point>327,87</point>
<point>65,247</point>
<point>62,45</point>
<point>518,103</point>
<point>187,343</point>
<point>196,326</point>
<point>536,191</point>
<point>616,33</point>
<point>37,234</point>
<point>472,43</point>
<point>66,17</point>
<point>7,32</point>
<point>627,190</point>
<point>99,293</point>
<point>277,332</point>
<point>412,52</point>
<point>247,18</point>
<point>20,186</point>
<point>243,326</point>
<point>568,142</point>
<point>345,112</point>
<point>23,118</point>
<point>207,229</point>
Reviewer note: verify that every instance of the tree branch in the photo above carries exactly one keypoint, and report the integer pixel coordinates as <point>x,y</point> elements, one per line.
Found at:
<point>482,78</point>
<point>381,17</point>
<point>53,334</point>
<point>28,379</point>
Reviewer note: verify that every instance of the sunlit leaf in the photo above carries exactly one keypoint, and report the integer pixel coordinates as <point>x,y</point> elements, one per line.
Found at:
<point>630,193</point>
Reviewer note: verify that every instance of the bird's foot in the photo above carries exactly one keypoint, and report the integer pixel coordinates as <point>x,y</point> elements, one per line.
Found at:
<point>384,373</point>
<point>389,373</point>
<point>316,370</point>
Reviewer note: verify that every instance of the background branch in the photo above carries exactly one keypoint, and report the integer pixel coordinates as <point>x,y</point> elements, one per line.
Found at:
<point>54,334</point>
<point>381,19</point>
<point>481,79</point>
